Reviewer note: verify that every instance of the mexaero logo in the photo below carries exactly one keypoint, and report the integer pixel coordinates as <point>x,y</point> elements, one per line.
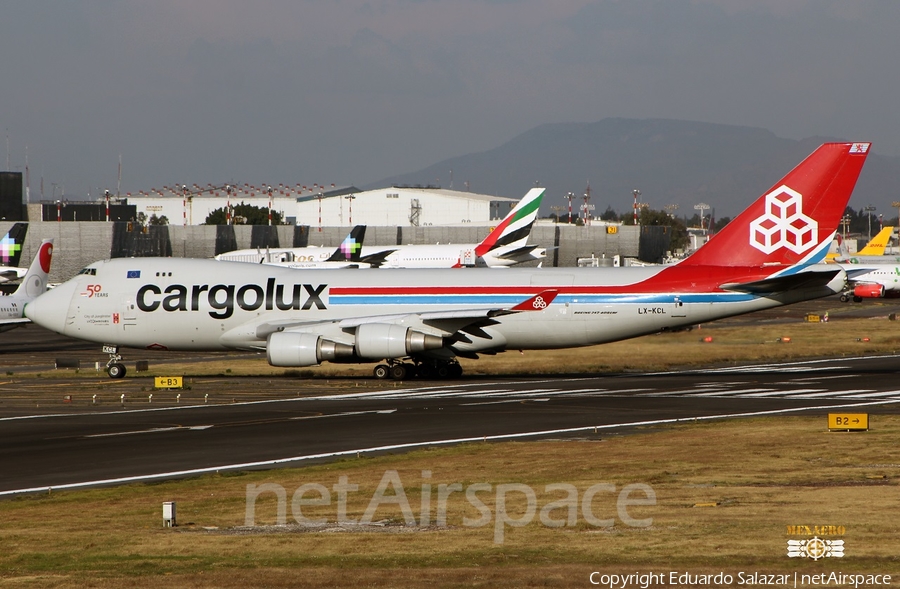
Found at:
<point>784,224</point>
<point>222,298</point>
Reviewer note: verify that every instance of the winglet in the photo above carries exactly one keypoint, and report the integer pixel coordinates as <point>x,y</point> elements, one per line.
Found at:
<point>794,222</point>
<point>538,302</point>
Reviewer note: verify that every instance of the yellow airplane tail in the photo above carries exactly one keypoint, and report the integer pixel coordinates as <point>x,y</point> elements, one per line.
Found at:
<point>878,243</point>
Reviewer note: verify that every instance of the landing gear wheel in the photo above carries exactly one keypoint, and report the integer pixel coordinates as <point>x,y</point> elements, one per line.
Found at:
<point>844,298</point>
<point>857,299</point>
<point>382,371</point>
<point>116,370</point>
<point>455,370</point>
<point>398,371</point>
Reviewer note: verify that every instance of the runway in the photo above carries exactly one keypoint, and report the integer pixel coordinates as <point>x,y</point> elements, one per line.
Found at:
<point>113,445</point>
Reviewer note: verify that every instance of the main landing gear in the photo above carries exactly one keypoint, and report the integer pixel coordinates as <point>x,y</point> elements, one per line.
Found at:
<point>114,368</point>
<point>426,369</point>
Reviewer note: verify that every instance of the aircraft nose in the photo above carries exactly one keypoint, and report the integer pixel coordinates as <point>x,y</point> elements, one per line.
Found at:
<point>49,310</point>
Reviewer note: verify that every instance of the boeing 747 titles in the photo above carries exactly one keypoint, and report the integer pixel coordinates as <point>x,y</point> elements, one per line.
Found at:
<point>420,322</point>
<point>33,284</point>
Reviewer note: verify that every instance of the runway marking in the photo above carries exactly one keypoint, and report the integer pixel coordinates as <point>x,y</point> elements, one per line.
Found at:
<point>676,393</point>
<point>412,445</point>
<point>345,414</point>
<point>155,430</point>
<point>850,392</point>
<point>739,392</point>
<point>875,395</point>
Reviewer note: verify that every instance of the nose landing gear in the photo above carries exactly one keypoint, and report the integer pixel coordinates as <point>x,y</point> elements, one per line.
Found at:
<point>114,368</point>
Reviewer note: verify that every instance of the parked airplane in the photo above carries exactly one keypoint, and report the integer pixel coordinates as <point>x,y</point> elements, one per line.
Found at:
<point>871,281</point>
<point>877,244</point>
<point>506,245</point>
<point>345,255</point>
<point>11,251</point>
<point>873,253</point>
<point>33,284</point>
<point>419,322</point>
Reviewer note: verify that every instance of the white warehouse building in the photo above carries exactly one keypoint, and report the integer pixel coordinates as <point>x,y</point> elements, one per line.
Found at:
<point>335,207</point>
<point>402,206</point>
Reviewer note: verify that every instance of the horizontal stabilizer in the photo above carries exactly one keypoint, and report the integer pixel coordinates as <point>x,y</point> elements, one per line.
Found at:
<point>525,250</point>
<point>785,282</point>
<point>377,259</point>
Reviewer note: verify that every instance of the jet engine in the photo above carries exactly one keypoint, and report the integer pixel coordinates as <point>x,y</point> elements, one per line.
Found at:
<point>375,341</point>
<point>285,348</point>
<point>868,291</point>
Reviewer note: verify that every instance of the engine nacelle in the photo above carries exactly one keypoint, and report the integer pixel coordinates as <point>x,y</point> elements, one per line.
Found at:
<point>375,341</point>
<point>291,349</point>
<point>869,291</point>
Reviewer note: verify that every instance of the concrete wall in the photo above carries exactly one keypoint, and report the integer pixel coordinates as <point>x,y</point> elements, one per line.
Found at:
<point>78,244</point>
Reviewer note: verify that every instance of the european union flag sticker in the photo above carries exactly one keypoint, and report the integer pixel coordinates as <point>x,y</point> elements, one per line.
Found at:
<point>133,274</point>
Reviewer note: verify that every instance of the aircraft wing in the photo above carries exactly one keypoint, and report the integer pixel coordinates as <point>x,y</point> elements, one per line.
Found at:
<point>784,282</point>
<point>449,321</point>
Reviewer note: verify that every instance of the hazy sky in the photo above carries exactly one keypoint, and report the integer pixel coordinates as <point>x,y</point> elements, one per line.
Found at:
<point>349,92</point>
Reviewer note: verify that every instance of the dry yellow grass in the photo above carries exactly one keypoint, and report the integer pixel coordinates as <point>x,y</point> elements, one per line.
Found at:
<point>762,474</point>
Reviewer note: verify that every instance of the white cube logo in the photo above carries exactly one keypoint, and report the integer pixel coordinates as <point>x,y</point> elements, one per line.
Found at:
<point>784,224</point>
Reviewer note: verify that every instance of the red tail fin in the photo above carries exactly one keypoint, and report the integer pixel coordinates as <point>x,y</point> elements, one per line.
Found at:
<point>794,221</point>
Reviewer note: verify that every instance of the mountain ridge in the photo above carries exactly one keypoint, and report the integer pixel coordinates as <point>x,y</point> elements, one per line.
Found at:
<point>669,161</point>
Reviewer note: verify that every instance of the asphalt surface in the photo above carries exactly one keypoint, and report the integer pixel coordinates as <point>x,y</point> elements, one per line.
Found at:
<point>291,421</point>
<point>114,444</point>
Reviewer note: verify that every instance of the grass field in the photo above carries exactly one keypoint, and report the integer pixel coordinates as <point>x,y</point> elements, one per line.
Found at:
<point>726,493</point>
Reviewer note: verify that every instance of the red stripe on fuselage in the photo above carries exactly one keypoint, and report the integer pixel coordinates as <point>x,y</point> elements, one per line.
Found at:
<point>671,279</point>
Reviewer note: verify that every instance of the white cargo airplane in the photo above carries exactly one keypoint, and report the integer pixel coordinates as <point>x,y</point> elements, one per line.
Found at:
<point>33,284</point>
<point>10,252</point>
<point>419,322</point>
<point>505,245</point>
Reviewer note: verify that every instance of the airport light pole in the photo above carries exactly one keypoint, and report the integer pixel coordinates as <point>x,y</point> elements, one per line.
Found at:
<point>350,198</point>
<point>556,209</point>
<point>636,193</point>
<point>702,207</point>
<point>569,197</point>
<point>868,211</point>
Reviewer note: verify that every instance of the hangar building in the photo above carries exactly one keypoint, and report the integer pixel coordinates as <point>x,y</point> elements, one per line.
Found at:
<point>396,206</point>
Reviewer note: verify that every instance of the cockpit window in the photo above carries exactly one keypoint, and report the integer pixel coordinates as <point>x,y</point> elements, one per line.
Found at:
<point>89,271</point>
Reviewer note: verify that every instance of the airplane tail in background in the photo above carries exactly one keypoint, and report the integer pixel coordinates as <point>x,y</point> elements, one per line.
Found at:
<point>878,244</point>
<point>35,281</point>
<point>514,230</point>
<point>794,222</point>
<point>351,247</point>
<point>11,244</point>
